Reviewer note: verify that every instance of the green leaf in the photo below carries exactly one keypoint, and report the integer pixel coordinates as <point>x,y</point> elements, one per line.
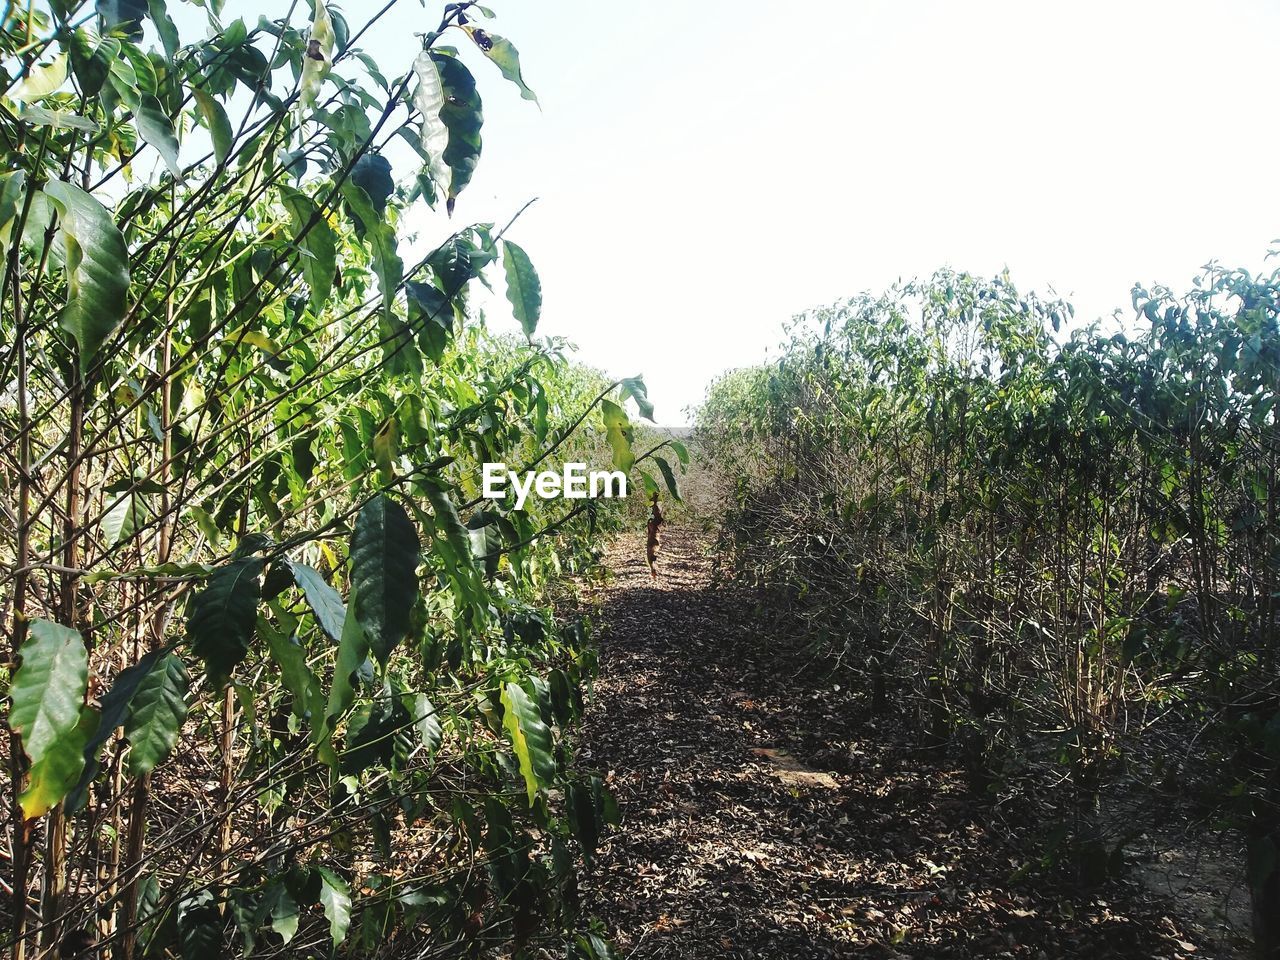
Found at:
<point>372,174</point>
<point>335,898</point>
<point>115,706</point>
<point>524,290</point>
<point>385,443</point>
<point>123,17</point>
<point>353,650</point>
<point>426,721</point>
<point>487,545</point>
<point>387,265</point>
<point>47,700</point>
<point>384,561</point>
<point>619,432</point>
<point>52,777</point>
<point>125,517</point>
<point>216,122</point>
<point>284,914</point>
<point>42,80</point>
<point>156,714</point>
<point>325,602</point>
<point>297,677</point>
<point>634,388</point>
<point>91,59</point>
<point>97,264</point>
<point>314,236</point>
<point>223,615</point>
<point>155,127</point>
<point>463,116</point>
<point>431,317</point>
<point>12,190</point>
<point>530,738</point>
<point>669,477</point>
<point>59,119</point>
<point>503,53</point>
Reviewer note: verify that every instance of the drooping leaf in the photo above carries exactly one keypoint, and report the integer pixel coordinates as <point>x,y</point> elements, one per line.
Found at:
<point>123,17</point>
<point>223,615</point>
<point>385,443</point>
<point>507,58</point>
<point>429,100</point>
<point>52,776</point>
<point>42,80</point>
<point>155,127</point>
<point>48,712</point>
<point>115,707</point>
<point>318,58</point>
<point>156,714</point>
<point>430,317</point>
<point>129,513</point>
<point>486,543</point>
<point>12,186</point>
<point>353,651</point>
<point>284,914</point>
<point>635,389</point>
<point>325,602</point>
<point>372,174</point>
<point>377,735</point>
<point>618,431</point>
<point>335,898</point>
<point>668,475</point>
<point>530,738</point>
<point>49,687</point>
<point>97,263</point>
<point>426,721</point>
<point>524,290</point>
<point>297,677</point>
<point>387,265</point>
<point>216,122</point>
<point>384,561</point>
<point>165,27</point>
<point>314,236</point>
<point>91,59</point>
<point>463,116</point>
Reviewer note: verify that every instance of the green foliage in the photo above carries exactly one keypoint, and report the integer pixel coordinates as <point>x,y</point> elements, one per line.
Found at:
<point>384,559</point>
<point>1025,532</point>
<point>156,711</point>
<point>530,739</point>
<point>97,267</point>
<point>220,623</point>
<point>48,712</point>
<point>275,437</point>
<point>524,290</point>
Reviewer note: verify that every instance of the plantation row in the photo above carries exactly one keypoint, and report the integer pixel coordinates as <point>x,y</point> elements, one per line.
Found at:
<point>1058,550</point>
<point>280,680</point>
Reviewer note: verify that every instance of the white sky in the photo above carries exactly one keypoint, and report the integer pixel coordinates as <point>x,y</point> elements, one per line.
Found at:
<point>706,170</point>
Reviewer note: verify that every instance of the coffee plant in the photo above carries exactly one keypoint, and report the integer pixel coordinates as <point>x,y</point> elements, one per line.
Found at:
<point>1053,546</point>
<point>279,680</point>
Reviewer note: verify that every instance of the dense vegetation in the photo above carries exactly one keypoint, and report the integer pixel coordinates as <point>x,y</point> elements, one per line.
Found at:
<point>279,679</point>
<point>1056,549</point>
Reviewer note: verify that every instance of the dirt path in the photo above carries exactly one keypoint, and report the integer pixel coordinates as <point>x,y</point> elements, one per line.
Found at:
<point>765,816</point>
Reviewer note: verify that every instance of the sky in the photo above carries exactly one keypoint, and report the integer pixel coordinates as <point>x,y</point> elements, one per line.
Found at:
<point>705,171</point>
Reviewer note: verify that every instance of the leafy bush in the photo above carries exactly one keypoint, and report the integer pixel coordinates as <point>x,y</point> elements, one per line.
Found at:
<point>282,676</point>
<point>1041,546</point>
